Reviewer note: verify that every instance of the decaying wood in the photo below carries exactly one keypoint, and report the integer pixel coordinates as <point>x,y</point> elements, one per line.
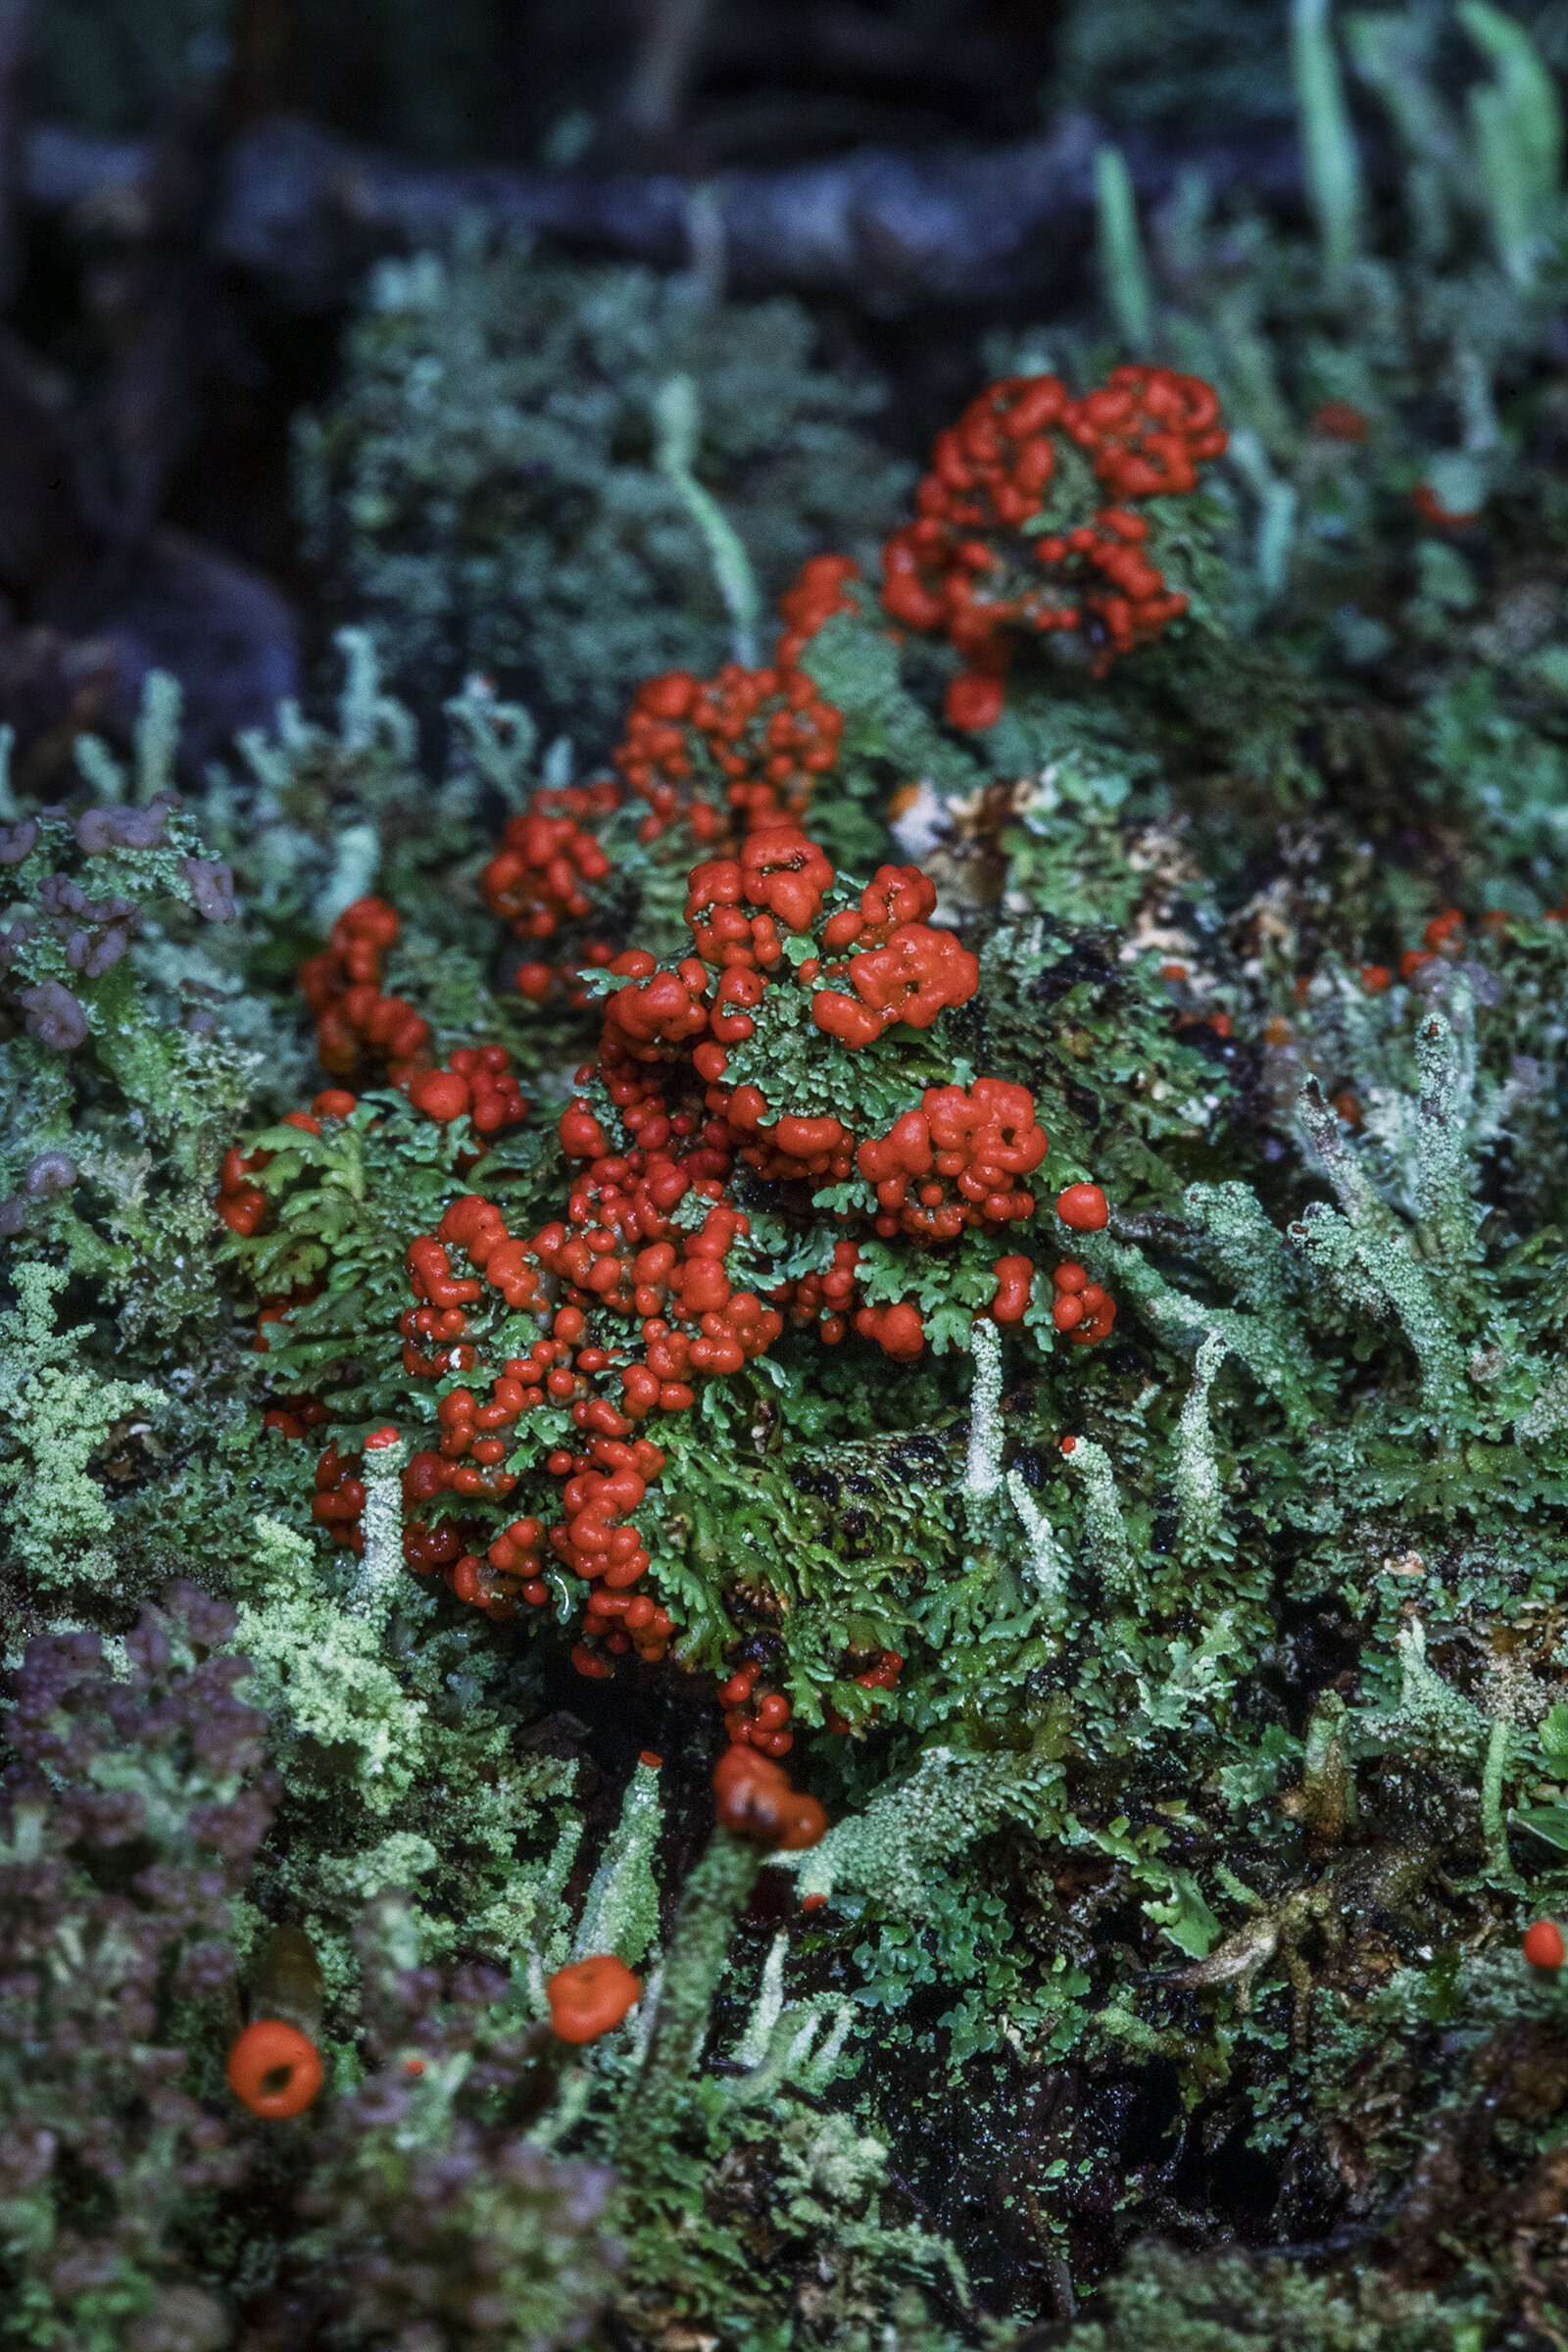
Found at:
<point>305,210</point>
<point>97,592</point>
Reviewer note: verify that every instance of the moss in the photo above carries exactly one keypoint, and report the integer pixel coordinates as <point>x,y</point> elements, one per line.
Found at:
<point>1187,1706</point>
<point>1224,2303</point>
<point>485,488</point>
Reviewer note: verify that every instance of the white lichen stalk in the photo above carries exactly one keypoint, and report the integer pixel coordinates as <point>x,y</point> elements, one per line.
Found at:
<point>620,1914</point>
<point>1105,1529</point>
<point>983,1472</point>
<point>1200,1495</point>
<point>382,1568</point>
<point>1048,1562</point>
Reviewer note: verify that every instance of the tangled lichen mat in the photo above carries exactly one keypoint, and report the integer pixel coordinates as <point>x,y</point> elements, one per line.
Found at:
<point>784,1301</point>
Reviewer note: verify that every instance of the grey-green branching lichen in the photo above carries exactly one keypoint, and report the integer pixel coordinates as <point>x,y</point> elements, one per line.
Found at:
<point>1101,1429</point>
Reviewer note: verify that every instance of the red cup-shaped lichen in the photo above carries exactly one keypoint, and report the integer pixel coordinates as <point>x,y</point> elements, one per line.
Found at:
<point>757,1802</point>
<point>274,2070</point>
<point>590,1996</point>
<point>1083,1207</point>
<point>1542,1945</point>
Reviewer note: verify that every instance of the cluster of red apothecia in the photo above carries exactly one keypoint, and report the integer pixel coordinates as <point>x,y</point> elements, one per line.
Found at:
<point>1082,1308</point>
<point>339,1499</point>
<point>966,566</point>
<point>240,1203</point>
<point>293,1417</point>
<point>477,1084</point>
<point>539,877</point>
<point>539,982</point>
<point>620,1252</point>
<point>760,1719</point>
<point>757,1802</point>
<point>881,962</point>
<point>832,1292</point>
<point>882,1675</point>
<point>754,1718</point>
<point>727,757</point>
<point>1443,937</point>
<point>607,1477</point>
<point>343,989</point>
<point>643,1301</point>
<point>634,1296</point>
<point>356,1023</point>
<point>1442,941</point>
<point>758,737</point>
<point>977,1144</point>
<point>740,754</point>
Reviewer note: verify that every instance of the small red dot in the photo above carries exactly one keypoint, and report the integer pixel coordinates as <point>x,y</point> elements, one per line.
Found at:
<point>1542,1945</point>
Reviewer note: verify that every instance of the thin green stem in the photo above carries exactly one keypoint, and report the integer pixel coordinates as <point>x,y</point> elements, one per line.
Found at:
<point>1123,265</point>
<point>715,1895</point>
<point>1332,164</point>
<point>677,415</point>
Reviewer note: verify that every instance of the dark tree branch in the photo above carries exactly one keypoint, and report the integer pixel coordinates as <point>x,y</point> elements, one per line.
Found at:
<point>301,213</point>
<point>305,210</point>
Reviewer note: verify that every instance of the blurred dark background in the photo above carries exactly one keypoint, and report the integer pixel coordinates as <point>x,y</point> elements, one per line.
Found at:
<point>192,192</point>
<point>699,85</point>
